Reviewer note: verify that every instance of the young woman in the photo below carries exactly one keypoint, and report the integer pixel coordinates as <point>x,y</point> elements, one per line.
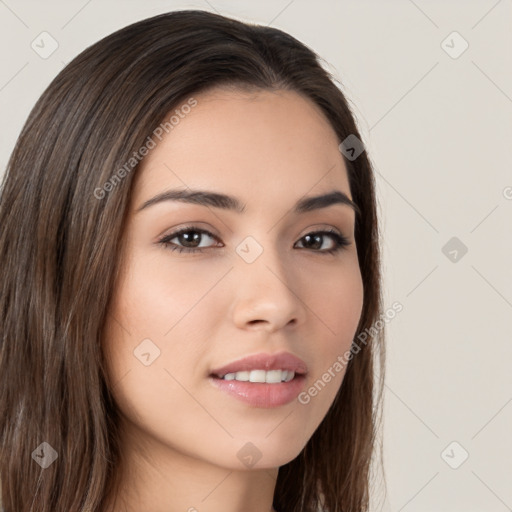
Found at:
<point>190,269</point>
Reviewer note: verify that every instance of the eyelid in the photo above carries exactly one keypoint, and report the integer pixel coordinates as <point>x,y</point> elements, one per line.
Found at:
<point>323,227</point>
<point>189,226</point>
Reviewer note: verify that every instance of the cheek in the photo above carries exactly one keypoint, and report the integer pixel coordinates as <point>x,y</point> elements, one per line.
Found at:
<point>338,302</point>
<point>164,309</point>
<point>160,292</point>
<point>338,307</point>
<point>152,343</point>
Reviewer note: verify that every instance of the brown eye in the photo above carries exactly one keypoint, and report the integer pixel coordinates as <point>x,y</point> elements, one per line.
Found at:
<point>188,239</point>
<point>315,241</point>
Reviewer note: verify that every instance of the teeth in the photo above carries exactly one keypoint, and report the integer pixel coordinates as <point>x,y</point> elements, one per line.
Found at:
<point>270,377</point>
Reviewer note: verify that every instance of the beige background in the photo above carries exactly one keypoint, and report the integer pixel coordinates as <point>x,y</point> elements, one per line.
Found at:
<point>439,132</point>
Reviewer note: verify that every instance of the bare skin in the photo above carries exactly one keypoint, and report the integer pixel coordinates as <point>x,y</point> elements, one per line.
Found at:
<point>206,309</point>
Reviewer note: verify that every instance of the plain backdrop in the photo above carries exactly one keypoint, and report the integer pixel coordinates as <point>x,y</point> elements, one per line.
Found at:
<point>430,83</point>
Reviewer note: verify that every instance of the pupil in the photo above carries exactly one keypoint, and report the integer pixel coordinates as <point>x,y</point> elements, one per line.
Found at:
<point>190,240</point>
<point>317,241</point>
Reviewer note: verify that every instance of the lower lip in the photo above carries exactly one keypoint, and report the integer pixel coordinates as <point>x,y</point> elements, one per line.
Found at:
<point>261,394</point>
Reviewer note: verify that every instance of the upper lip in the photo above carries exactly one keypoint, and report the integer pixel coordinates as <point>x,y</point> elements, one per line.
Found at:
<point>281,361</point>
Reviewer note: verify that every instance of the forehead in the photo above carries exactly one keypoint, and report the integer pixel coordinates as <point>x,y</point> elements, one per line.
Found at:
<point>258,144</point>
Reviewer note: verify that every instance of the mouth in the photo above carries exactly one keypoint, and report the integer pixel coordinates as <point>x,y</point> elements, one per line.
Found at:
<point>262,380</point>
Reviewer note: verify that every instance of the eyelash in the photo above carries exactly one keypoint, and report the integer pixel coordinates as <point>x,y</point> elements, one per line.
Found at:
<point>340,240</point>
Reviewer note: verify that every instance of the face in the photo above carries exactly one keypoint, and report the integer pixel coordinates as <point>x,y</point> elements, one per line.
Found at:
<point>204,285</point>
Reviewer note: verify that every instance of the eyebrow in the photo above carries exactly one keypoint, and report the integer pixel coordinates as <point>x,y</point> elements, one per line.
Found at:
<point>216,200</point>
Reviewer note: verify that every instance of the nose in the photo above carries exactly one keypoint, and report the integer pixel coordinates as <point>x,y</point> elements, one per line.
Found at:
<point>264,296</point>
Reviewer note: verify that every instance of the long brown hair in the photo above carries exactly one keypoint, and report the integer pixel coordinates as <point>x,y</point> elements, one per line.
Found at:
<point>60,241</point>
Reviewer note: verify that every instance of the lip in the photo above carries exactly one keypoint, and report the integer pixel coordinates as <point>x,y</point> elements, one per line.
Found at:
<point>281,361</point>
<point>259,394</point>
